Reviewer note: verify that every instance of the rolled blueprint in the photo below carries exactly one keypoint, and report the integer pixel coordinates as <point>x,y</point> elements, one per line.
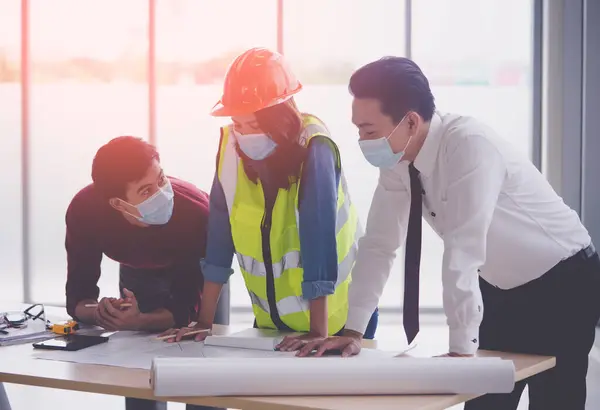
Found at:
<point>329,376</point>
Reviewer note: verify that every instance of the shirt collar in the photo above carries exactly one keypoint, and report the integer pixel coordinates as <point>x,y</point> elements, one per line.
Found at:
<point>427,156</point>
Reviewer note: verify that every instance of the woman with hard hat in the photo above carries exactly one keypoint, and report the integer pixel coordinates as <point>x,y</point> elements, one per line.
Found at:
<point>279,201</point>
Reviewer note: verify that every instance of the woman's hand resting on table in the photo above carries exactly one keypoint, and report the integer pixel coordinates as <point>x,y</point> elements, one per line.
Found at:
<point>182,333</point>
<point>296,342</point>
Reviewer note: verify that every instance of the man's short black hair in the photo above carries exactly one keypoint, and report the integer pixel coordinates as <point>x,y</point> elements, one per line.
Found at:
<point>121,161</point>
<point>399,85</point>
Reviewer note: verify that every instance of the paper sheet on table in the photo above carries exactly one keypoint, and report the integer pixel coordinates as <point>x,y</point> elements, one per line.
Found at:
<point>34,331</point>
<point>257,339</point>
<point>330,376</point>
<point>124,349</point>
<point>267,339</point>
<point>137,350</point>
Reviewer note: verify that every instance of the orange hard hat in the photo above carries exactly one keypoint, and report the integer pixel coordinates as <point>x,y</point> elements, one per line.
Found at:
<point>257,79</point>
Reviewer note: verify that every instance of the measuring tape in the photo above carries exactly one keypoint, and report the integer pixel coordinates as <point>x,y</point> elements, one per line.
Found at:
<point>64,328</point>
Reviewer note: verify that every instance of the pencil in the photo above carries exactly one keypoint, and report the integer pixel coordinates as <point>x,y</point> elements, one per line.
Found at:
<point>194,332</point>
<point>93,305</point>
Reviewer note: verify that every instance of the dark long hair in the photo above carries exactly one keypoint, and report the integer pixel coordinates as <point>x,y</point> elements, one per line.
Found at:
<point>283,123</point>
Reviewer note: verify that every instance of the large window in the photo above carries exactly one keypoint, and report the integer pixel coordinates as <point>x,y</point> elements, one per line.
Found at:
<point>196,42</point>
<point>484,75</point>
<point>89,63</point>
<point>478,58</point>
<point>89,83</point>
<point>340,40</point>
<point>11,279</point>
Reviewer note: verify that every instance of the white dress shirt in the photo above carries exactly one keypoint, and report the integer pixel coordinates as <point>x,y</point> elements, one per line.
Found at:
<point>496,213</point>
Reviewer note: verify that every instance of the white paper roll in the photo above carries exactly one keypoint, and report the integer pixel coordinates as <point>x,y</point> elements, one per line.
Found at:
<point>330,376</point>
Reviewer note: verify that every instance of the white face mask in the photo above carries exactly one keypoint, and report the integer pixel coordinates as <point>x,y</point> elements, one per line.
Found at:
<point>158,209</point>
<point>256,146</point>
<point>379,151</point>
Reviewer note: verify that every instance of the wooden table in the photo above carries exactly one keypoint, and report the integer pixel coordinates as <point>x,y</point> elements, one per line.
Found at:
<point>17,365</point>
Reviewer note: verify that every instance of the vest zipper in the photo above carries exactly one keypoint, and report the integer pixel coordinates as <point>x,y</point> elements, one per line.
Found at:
<point>266,248</point>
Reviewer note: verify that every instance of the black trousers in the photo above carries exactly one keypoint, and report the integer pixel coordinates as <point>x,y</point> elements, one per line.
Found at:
<point>554,315</point>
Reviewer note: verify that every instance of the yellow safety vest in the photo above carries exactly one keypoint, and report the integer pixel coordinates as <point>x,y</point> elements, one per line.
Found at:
<point>246,205</point>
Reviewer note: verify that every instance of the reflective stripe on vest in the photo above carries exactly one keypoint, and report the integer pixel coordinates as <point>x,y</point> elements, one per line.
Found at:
<point>285,306</point>
<point>293,260</point>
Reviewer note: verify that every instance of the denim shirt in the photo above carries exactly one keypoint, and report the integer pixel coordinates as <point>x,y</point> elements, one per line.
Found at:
<point>317,218</point>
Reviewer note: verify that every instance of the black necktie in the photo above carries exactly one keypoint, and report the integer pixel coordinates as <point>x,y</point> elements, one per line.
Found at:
<point>412,257</point>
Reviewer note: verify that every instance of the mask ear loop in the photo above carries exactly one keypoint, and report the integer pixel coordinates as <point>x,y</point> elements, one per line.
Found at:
<point>393,131</point>
<point>127,212</point>
<point>408,142</point>
<point>396,127</point>
<point>132,215</point>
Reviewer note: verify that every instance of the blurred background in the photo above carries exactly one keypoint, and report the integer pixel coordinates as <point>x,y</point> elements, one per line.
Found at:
<point>76,73</point>
<point>99,69</point>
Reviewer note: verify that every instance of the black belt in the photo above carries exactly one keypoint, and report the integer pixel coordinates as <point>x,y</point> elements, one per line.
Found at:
<point>585,253</point>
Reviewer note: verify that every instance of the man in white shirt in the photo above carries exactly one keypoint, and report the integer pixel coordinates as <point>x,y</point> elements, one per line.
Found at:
<point>519,271</point>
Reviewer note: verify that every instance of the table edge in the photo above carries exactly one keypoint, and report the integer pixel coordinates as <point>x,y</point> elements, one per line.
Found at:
<point>244,402</point>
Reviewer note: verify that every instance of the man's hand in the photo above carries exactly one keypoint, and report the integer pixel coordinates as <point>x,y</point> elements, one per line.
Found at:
<point>295,342</point>
<point>180,333</point>
<point>451,354</point>
<point>111,316</point>
<point>349,344</point>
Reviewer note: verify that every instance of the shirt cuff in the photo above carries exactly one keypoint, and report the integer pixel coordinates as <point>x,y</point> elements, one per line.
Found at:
<point>214,273</point>
<point>317,289</point>
<point>464,340</point>
<point>358,319</point>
